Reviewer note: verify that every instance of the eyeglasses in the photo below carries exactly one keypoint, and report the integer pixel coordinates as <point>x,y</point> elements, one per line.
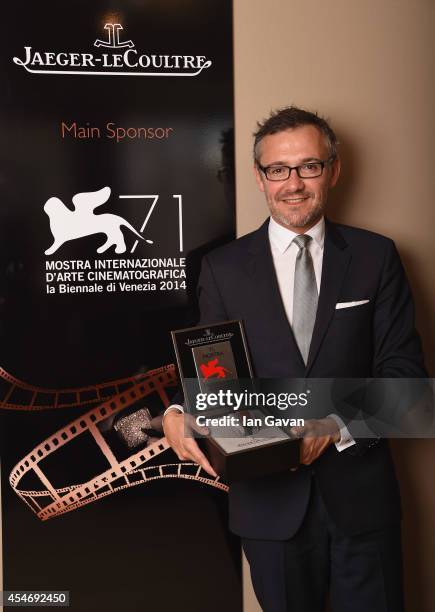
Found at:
<point>308,170</point>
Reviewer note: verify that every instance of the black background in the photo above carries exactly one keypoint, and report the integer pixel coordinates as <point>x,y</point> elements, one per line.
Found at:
<point>164,544</point>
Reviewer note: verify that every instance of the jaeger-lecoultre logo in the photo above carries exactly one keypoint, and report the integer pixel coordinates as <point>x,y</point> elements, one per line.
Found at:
<point>126,63</point>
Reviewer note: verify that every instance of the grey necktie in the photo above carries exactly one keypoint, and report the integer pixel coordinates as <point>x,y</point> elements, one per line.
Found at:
<point>305,296</point>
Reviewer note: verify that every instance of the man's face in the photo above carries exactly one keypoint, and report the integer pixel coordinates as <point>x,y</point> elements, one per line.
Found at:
<point>296,203</point>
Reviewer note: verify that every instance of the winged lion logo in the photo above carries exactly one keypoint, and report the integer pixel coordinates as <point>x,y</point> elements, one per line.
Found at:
<point>66,224</point>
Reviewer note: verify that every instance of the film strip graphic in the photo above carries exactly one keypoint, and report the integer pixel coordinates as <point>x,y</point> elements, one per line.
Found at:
<point>50,501</point>
<point>18,395</point>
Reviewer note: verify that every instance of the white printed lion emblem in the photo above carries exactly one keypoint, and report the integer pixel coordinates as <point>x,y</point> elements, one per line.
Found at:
<point>68,224</point>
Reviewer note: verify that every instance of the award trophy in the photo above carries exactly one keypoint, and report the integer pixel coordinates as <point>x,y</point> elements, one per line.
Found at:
<point>218,384</point>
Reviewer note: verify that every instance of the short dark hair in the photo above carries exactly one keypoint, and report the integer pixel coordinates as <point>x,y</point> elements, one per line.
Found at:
<point>292,117</point>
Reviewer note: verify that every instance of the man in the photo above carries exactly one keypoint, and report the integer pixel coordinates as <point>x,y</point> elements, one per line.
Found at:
<point>317,300</point>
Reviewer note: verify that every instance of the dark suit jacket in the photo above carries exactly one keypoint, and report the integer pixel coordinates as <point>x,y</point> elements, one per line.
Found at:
<point>377,339</point>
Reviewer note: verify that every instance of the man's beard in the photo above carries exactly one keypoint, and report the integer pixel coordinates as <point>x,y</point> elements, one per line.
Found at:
<point>298,219</point>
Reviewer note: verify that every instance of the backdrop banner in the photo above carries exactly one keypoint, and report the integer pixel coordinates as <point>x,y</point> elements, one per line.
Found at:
<point>116,176</point>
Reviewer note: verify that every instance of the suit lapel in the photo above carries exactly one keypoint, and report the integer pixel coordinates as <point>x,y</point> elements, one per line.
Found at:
<point>270,304</point>
<point>336,258</point>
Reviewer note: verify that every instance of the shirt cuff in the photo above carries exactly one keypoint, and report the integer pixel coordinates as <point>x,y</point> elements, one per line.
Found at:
<point>173,407</point>
<point>346,439</point>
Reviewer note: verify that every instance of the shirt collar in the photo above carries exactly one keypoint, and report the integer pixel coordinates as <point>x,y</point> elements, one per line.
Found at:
<point>282,237</point>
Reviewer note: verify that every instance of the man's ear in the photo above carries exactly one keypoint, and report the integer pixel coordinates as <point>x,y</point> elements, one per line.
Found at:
<point>258,177</point>
<point>335,171</point>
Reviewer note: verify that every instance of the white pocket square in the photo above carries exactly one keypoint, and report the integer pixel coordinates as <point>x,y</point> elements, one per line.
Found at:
<point>350,304</point>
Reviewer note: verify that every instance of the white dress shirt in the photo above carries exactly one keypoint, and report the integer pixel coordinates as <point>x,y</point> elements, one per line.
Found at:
<point>284,253</point>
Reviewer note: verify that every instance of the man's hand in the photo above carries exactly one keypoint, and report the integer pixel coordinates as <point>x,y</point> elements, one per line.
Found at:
<point>175,428</point>
<point>317,435</point>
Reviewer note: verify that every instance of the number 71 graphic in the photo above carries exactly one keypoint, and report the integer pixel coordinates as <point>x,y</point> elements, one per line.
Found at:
<point>154,199</point>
